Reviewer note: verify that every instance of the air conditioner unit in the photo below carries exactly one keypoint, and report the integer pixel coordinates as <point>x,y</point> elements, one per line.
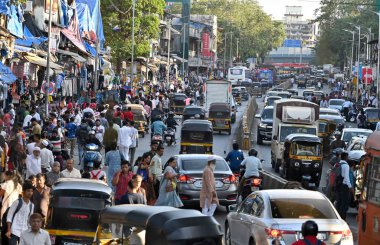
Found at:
<point>28,6</point>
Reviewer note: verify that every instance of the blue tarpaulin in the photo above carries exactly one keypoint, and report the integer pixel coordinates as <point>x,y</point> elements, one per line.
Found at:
<point>4,7</point>
<point>29,39</point>
<point>14,22</point>
<point>6,74</point>
<point>90,49</point>
<point>96,18</point>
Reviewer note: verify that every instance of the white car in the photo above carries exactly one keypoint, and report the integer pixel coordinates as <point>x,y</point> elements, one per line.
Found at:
<point>348,133</point>
<point>336,104</point>
<point>329,111</point>
<point>276,217</point>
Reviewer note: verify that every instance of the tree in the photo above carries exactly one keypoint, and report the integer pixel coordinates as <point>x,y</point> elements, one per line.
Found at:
<point>117,25</point>
<point>257,32</point>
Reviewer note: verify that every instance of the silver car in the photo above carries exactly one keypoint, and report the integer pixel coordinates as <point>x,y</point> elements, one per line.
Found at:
<point>276,216</point>
<point>189,185</point>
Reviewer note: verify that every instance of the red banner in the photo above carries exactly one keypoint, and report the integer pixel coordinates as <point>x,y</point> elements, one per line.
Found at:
<point>206,44</point>
<point>367,75</point>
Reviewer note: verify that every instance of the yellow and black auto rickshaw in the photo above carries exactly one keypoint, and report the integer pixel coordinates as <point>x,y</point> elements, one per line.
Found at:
<point>178,103</point>
<point>327,127</point>
<point>74,210</point>
<point>219,114</point>
<point>153,225</point>
<point>196,137</point>
<point>237,95</point>
<point>139,118</point>
<point>302,159</point>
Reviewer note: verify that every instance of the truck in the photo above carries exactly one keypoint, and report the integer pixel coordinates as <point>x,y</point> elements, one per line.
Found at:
<point>267,75</point>
<point>217,91</point>
<point>327,68</point>
<point>291,116</point>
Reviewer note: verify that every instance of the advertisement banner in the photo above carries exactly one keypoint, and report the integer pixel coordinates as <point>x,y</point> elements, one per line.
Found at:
<point>206,44</point>
<point>367,75</point>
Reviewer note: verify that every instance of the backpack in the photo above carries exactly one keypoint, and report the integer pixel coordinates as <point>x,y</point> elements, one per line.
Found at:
<point>19,205</point>
<point>336,178</point>
<point>95,176</point>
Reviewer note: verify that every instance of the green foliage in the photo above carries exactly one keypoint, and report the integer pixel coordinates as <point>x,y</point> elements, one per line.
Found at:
<point>257,33</point>
<point>334,17</point>
<point>117,25</point>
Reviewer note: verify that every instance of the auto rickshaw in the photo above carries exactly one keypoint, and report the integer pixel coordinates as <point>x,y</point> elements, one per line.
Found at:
<point>139,118</point>
<point>256,89</point>
<point>196,137</point>
<point>193,112</point>
<point>327,127</point>
<point>177,103</point>
<point>237,95</point>
<point>372,117</point>
<point>302,159</point>
<point>152,225</point>
<point>74,210</point>
<point>219,114</point>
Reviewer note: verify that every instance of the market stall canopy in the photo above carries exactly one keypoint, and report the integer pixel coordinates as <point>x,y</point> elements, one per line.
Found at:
<point>42,62</point>
<point>6,74</point>
<point>72,54</point>
<point>29,40</point>
<point>71,36</point>
<point>90,49</point>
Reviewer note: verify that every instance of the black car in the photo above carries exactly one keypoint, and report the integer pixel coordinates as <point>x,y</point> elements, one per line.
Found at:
<point>264,130</point>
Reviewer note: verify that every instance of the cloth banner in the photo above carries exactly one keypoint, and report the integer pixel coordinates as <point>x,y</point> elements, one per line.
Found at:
<point>6,74</point>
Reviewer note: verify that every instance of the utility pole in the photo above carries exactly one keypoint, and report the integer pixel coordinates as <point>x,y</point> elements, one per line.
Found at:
<point>358,60</point>
<point>231,51</point>
<point>224,58</point>
<point>170,36</point>
<point>133,40</point>
<point>237,49</point>
<point>183,48</point>
<point>96,75</point>
<point>47,83</point>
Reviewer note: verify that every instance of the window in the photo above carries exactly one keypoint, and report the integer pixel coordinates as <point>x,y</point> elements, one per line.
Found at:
<point>373,191</point>
<point>357,147</point>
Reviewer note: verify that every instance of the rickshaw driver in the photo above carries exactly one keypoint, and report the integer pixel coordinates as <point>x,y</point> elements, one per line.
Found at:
<point>170,121</point>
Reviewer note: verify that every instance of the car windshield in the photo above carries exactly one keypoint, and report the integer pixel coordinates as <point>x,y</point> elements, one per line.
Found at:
<point>267,114</point>
<point>348,135</point>
<point>199,165</point>
<point>285,131</point>
<point>322,127</point>
<point>301,208</point>
<point>192,111</point>
<point>373,114</point>
<point>271,101</point>
<point>236,71</point>
<point>336,102</point>
<point>306,149</point>
<point>138,116</point>
<point>219,114</point>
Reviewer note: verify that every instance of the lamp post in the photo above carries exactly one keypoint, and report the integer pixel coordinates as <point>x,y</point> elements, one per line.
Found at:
<point>352,50</point>
<point>358,62</point>
<point>168,67</point>
<point>183,49</point>
<point>47,83</point>
<point>225,48</point>
<point>133,39</point>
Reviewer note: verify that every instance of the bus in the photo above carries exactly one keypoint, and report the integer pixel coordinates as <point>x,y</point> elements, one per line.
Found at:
<point>238,74</point>
<point>369,203</point>
<point>266,74</point>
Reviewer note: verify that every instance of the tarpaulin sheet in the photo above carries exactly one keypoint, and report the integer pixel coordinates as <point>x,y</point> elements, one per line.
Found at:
<point>14,22</point>
<point>29,39</point>
<point>90,49</point>
<point>70,35</point>
<point>6,74</point>
<point>96,18</point>
<point>4,7</point>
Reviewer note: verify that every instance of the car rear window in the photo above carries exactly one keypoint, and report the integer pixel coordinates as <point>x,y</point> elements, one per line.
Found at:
<point>297,208</point>
<point>199,165</point>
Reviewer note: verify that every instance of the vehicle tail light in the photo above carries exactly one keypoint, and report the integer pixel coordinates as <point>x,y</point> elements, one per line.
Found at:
<point>230,179</point>
<point>346,234</point>
<point>275,233</point>
<point>256,182</point>
<point>227,123</point>
<point>186,179</point>
<point>141,126</point>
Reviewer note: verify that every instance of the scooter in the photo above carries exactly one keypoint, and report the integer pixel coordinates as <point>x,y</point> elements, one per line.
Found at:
<point>90,155</point>
<point>169,136</point>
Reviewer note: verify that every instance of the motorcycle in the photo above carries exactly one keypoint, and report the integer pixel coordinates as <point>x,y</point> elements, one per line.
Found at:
<point>250,185</point>
<point>169,136</point>
<point>352,114</point>
<point>90,155</point>
<point>157,138</point>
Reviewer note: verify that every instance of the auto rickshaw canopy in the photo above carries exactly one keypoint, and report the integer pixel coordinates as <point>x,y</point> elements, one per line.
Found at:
<point>302,137</point>
<point>164,225</point>
<point>197,125</point>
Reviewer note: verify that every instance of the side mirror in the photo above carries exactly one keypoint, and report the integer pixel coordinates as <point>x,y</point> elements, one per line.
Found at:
<point>232,208</point>
<point>275,137</point>
<point>258,116</point>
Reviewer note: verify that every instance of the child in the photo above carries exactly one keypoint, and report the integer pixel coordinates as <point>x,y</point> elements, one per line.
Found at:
<point>97,173</point>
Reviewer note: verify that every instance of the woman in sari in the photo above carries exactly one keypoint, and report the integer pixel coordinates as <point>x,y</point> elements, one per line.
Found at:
<point>168,195</point>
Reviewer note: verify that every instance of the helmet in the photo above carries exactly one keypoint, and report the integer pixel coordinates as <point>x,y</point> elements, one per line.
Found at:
<point>309,228</point>
<point>252,152</point>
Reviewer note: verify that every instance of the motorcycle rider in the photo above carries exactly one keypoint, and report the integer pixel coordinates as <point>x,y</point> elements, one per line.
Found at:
<point>235,158</point>
<point>309,232</point>
<point>252,166</point>
<point>338,142</point>
<point>158,127</point>
<point>170,121</point>
<point>93,140</point>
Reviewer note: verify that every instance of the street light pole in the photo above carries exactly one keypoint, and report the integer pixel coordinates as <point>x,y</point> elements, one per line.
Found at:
<point>47,83</point>
<point>170,36</point>
<point>133,40</point>
<point>358,58</point>
<point>224,58</point>
<point>183,49</point>
<point>231,51</point>
<point>352,50</point>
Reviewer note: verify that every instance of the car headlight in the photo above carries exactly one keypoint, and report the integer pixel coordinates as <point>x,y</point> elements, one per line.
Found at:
<point>262,125</point>
<point>316,165</point>
<point>296,164</point>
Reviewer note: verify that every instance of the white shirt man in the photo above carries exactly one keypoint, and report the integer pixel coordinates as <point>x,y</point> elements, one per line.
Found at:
<point>347,104</point>
<point>252,166</point>
<point>345,171</point>
<point>88,109</point>
<point>99,132</point>
<point>26,122</point>
<point>20,221</point>
<point>78,119</point>
<point>47,158</point>
<point>124,140</point>
<point>70,171</point>
<point>33,163</point>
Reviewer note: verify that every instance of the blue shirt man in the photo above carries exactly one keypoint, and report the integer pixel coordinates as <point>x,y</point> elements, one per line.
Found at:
<point>158,127</point>
<point>71,128</point>
<point>235,157</point>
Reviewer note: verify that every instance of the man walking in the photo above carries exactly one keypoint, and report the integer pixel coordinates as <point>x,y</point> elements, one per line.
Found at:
<point>124,140</point>
<point>71,139</point>
<point>344,188</point>
<point>41,196</point>
<point>208,197</point>
<point>19,213</point>
<point>135,142</point>
<point>35,235</point>
<point>155,168</point>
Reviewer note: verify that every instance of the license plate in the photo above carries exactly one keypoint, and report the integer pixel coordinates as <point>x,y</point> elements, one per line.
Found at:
<point>168,138</point>
<point>320,236</point>
<point>218,184</point>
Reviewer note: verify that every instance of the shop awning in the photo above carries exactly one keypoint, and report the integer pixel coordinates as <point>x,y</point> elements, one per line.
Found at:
<point>41,62</point>
<point>181,60</point>
<point>78,43</point>
<point>6,74</point>
<point>29,39</point>
<point>72,54</point>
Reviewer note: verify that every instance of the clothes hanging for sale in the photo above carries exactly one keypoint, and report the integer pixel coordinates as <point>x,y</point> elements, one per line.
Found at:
<point>67,87</point>
<point>75,85</point>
